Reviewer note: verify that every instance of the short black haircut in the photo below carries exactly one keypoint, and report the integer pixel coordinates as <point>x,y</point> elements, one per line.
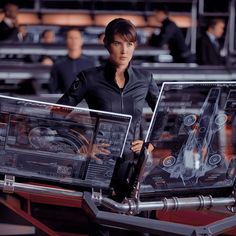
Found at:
<point>163,8</point>
<point>73,28</point>
<point>8,4</point>
<point>120,26</point>
<point>214,21</point>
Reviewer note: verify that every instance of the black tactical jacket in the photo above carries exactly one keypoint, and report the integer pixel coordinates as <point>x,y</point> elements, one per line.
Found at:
<point>97,86</point>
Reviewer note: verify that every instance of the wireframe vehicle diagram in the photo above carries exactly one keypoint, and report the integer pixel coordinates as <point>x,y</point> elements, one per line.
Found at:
<point>196,155</point>
<point>193,130</point>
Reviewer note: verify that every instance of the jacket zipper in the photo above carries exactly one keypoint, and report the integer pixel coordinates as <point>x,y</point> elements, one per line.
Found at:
<point>122,101</point>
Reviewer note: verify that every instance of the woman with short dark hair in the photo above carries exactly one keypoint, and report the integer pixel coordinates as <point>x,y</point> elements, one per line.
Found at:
<point>117,86</point>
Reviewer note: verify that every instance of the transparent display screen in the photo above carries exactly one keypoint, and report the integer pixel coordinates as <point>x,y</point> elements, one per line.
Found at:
<point>193,130</point>
<point>60,143</point>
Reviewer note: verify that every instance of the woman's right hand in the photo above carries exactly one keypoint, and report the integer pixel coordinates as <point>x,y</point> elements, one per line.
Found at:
<point>99,149</point>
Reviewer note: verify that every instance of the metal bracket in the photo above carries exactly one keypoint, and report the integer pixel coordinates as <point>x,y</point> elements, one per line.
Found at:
<point>233,207</point>
<point>8,186</point>
<point>133,205</point>
<point>97,197</point>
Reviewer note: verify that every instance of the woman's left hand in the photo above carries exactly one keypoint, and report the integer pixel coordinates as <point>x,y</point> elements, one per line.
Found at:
<point>137,146</point>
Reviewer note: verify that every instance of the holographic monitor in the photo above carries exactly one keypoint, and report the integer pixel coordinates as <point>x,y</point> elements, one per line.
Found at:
<point>193,130</point>
<point>56,143</point>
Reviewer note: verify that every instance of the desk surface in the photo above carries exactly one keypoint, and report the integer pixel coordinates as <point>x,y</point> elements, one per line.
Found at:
<point>13,73</point>
<point>60,50</point>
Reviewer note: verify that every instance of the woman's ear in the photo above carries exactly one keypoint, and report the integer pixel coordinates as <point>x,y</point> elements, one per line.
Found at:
<point>106,45</point>
<point>105,42</point>
<point>108,48</point>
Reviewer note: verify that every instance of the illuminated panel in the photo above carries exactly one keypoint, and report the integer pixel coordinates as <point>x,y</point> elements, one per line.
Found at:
<point>193,131</point>
<point>70,145</point>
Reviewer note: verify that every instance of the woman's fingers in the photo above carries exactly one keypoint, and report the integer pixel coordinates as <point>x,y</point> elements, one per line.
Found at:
<point>137,146</point>
<point>100,149</point>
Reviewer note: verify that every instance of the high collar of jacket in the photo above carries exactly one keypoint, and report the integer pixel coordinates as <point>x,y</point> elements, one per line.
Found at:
<point>74,59</point>
<point>166,21</point>
<point>110,71</point>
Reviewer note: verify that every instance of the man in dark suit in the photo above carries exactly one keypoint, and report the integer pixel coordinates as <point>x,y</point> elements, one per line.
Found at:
<point>65,70</point>
<point>209,49</point>
<point>170,36</point>
<point>9,25</point>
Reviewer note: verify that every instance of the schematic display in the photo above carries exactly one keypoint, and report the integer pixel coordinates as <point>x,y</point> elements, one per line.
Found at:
<point>194,134</point>
<point>62,144</point>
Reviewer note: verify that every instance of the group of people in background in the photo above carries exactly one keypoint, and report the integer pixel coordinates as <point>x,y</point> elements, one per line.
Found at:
<point>208,47</point>
<point>170,37</point>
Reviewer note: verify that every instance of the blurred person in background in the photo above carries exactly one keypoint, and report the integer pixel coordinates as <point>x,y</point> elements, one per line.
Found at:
<point>48,37</point>
<point>170,37</point>
<point>209,47</point>
<point>65,70</point>
<point>10,31</point>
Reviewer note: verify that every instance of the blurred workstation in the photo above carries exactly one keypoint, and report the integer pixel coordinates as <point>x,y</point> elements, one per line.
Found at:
<point>19,60</point>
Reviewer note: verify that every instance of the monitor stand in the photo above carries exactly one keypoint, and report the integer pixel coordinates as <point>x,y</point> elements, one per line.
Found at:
<point>154,226</point>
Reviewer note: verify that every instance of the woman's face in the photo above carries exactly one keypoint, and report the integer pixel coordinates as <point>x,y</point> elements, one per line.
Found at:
<point>121,51</point>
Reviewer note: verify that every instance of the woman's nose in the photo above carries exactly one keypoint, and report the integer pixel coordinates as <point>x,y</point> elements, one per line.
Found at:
<point>124,49</point>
